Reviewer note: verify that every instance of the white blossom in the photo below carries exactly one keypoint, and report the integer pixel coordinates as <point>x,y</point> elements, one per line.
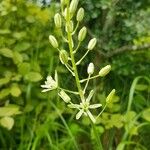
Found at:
<point>50,83</point>
<point>84,107</point>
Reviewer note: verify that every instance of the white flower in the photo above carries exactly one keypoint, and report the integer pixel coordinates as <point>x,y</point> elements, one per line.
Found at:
<point>85,106</point>
<point>50,83</point>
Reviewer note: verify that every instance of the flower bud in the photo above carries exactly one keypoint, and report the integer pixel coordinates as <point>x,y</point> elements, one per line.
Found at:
<point>80,14</point>
<point>90,69</point>
<point>65,13</point>
<point>57,20</point>
<point>73,6</point>
<point>53,41</point>
<point>70,26</point>
<point>92,43</point>
<point>63,56</point>
<point>82,34</point>
<point>110,96</point>
<point>63,2</point>
<point>104,71</point>
<point>64,96</point>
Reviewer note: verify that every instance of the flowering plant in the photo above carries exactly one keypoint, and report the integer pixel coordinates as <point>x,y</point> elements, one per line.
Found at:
<point>68,59</point>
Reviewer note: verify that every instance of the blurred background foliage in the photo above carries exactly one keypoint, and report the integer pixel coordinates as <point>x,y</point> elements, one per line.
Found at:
<point>32,120</point>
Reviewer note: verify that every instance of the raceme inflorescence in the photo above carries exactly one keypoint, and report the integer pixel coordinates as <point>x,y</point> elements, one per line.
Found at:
<point>69,19</point>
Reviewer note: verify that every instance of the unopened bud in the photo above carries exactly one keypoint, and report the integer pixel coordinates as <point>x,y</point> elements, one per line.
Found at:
<point>57,20</point>
<point>69,26</point>
<point>82,34</point>
<point>65,13</point>
<point>73,6</point>
<point>104,71</point>
<point>80,14</point>
<point>53,41</point>
<point>92,43</point>
<point>63,56</point>
<point>110,96</point>
<point>90,69</point>
<point>64,96</point>
<point>63,2</point>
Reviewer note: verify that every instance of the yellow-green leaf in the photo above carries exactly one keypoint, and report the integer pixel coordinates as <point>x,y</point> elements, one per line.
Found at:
<point>33,76</point>
<point>7,122</point>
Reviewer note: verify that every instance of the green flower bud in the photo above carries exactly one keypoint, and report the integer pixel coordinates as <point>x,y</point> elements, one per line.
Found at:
<point>63,2</point>
<point>70,26</point>
<point>82,34</point>
<point>64,96</point>
<point>90,69</point>
<point>110,96</point>
<point>63,56</point>
<point>92,43</point>
<point>53,41</point>
<point>57,20</point>
<point>80,14</point>
<point>73,6</point>
<point>105,70</point>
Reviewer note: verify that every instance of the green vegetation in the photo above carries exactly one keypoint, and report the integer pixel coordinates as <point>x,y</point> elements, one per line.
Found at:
<point>30,119</point>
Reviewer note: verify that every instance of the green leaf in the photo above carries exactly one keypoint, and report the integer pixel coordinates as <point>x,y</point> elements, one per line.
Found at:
<point>15,90</point>
<point>22,46</point>
<point>4,81</point>
<point>6,52</point>
<point>33,76</point>
<point>146,114</point>
<point>17,58</point>
<point>4,93</point>
<point>9,110</point>
<point>141,87</point>
<point>24,68</point>
<point>7,122</point>
<point>5,31</point>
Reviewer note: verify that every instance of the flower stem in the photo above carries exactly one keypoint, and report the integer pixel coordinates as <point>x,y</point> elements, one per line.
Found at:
<point>72,57</point>
<point>82,57</point>
<point>98,141</point>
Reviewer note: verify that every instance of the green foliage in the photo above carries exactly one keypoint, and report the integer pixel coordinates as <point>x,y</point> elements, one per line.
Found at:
<point>26,58</point>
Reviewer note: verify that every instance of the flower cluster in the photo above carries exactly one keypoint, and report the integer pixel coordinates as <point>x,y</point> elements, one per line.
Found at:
<point>68,59</point>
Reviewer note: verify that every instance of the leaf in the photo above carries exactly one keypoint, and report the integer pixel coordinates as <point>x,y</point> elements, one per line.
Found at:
<point>9,110</point>
<point>5,31</point>
<point>33,76</point>
<point>24,68</point>
<point>6,52</point>
<point>15,90</point>
<point>17,58</point>
<point>7,122</point>
<point>4,81</point>
<point>141,87</point>
<point>4,93</point>
<point>22,46</point>
<point>146,114</point>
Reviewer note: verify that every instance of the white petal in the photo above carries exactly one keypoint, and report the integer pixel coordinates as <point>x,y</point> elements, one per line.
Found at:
<point>45,90</point>
<point>90,96</point>
<point>74,106</point>
<point>91,116</point>
<point>95,106</point>
<point>49,78</point>
<point>79,114</point>
<point>45,86</point>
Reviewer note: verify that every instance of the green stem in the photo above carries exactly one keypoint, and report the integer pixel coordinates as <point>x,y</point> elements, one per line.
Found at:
<point>73,92</point>
<point>101,111</point>
<point>73,59</point>
<point>82,57</point>
<point>86,84</point>
<point>83,80</point>
<point>98,141</point>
